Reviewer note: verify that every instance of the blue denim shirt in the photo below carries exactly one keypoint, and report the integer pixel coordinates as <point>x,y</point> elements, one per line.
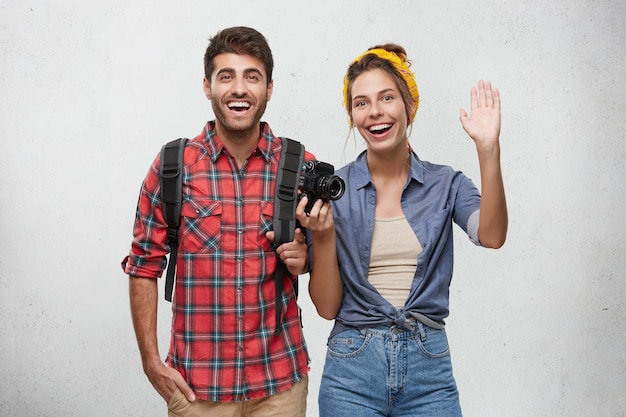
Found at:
<point>433,197</point>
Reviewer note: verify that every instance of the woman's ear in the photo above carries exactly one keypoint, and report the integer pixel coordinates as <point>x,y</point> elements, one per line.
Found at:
<point>410,111</point>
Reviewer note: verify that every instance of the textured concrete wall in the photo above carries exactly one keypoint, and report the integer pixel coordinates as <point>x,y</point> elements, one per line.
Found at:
<point>91,91</point>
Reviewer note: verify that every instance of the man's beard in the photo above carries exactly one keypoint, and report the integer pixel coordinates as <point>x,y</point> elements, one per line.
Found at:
<point>238,126</point>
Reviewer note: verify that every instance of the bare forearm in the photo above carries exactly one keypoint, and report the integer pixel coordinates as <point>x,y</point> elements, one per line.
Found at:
<point>493,223</point>
<point>143,306</point>
<point>325,287</point>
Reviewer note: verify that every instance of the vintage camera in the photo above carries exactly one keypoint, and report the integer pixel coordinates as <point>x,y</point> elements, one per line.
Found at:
<point>317,181</point>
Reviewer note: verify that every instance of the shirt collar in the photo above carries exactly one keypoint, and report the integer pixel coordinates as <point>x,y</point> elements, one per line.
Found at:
<point>417,168</point>
<point>363,177</point>
<point>267,145</point>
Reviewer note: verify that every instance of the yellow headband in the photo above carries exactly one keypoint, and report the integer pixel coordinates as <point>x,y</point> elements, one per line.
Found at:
<point>403,69</point>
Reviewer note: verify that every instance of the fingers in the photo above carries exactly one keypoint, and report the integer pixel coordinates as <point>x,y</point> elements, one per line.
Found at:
<point>480,92</point>
<point>300,214</point>
<point>297,244</point>
<point>165,380</point>
<point>298,236</point>
<point>295,254</point>
<point>186,390</point>
<point>474,103</point>
<point>309,220</point>
<point>496,98</point>
<point>485,95</point>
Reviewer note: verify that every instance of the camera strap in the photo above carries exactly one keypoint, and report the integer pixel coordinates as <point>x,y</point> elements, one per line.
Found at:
<point>284,221</point>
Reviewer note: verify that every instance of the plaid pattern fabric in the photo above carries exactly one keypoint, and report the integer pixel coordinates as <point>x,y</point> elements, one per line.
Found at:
<point>223,323</point>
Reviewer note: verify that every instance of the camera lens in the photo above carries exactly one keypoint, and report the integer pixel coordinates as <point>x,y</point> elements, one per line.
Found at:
<point>336,188</point>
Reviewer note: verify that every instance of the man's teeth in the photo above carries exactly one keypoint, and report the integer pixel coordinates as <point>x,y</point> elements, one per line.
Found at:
<point>238,105</point>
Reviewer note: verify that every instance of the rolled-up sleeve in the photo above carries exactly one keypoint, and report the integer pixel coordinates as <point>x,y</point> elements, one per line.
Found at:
<point>147,256</point>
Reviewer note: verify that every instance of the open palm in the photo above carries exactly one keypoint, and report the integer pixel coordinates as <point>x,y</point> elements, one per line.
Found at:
<point>483,122</point>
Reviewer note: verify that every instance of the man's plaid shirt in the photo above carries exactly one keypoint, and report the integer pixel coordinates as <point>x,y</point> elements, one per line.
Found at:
<point>223,322</point>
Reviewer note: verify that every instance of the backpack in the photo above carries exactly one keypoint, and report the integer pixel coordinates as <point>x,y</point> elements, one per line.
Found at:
<point>284,220</point>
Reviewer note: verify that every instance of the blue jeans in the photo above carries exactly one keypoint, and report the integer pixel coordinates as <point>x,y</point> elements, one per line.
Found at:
<point>385,371</point>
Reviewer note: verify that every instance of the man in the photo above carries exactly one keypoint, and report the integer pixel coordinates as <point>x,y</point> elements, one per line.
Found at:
<point>228,355</point>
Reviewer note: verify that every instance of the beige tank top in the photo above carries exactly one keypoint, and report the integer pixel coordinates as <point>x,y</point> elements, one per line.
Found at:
<point>393,259</point>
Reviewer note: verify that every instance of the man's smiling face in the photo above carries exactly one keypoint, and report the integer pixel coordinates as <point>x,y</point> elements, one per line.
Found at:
<point>239,93</point>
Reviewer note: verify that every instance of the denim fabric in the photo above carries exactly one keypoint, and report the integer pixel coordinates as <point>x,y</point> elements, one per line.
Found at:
<point>386,371</point>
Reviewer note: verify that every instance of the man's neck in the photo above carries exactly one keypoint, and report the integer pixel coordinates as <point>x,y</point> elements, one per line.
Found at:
<point>239,144</point>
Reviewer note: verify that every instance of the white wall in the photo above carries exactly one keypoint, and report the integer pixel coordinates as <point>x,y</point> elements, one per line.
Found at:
<point>89,93</point>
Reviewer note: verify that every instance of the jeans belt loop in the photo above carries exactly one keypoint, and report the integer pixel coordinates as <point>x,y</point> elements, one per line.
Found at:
<point>420,326</point>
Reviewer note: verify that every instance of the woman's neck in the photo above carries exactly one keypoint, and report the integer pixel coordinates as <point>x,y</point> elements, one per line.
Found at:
<point>389,167</point>
<point>389,175</point>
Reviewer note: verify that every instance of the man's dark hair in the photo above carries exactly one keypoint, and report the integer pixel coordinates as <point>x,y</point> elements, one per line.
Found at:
<point>239,40</point>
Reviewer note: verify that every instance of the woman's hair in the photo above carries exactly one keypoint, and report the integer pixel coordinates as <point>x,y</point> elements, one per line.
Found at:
<point>239,40</point>
<point>395,62</point>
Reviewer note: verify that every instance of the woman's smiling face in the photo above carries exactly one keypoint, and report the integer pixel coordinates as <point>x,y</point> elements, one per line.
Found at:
<point>378,111</point>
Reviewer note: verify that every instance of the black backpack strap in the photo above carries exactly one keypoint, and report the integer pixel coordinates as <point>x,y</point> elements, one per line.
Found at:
<point>286,200</point>
<point>171,178</point>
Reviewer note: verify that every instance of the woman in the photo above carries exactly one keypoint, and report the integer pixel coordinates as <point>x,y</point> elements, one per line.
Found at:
<point>382,254</point>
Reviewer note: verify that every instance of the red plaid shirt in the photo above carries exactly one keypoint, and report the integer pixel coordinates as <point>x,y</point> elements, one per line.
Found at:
<point>223,322</point>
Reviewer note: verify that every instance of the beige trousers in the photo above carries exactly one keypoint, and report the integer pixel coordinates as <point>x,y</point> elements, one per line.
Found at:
<point>290,403</point>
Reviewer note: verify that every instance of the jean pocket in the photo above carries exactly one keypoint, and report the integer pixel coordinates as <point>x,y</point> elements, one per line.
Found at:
<point>434,342</point>
<point>347,344</point>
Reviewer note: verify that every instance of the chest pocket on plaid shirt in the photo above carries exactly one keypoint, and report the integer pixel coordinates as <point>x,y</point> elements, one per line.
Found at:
<point>201,226</point>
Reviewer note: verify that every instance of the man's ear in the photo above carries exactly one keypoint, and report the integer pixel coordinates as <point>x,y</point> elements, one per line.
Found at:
<point>206,84</point>
<point>270,89</point>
